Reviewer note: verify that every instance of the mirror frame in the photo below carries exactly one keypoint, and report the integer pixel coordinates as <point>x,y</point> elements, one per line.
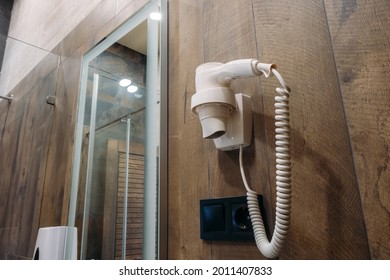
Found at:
<point>161,27</point>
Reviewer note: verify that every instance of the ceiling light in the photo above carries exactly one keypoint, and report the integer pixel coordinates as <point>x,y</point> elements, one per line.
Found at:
<point>137,95</point>
<point>132,89</point>
<point>124,82</point>
<point>155,16</point>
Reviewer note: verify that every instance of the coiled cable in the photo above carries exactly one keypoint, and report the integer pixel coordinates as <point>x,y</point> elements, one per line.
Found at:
<point>271,249</point>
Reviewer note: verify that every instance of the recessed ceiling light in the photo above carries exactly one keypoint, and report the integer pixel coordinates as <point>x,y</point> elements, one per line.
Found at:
<point>132,89</point>
<point>124,82</point>
<point>137,95</point>
<point>155,16</point>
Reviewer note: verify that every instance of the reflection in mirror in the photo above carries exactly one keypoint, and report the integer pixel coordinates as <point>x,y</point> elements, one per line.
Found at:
<point>114,201</point>
<point>113,107</point>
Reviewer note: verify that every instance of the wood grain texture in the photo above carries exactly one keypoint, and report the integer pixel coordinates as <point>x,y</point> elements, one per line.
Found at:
<point>83,36</point>
<point>135,196</point>
<point>188,156</point>
<point>334,59</point>
<point>114,198</point>
<point>360,32</point>
<point>55,197</point>
<point>126,8</point>
<point>39,145</point>
<point>25,144</point>
<point>4,109</point>
<point>209,34</point>
<point>230,28</point>
<point>110,200</point>
<point>327,219</point>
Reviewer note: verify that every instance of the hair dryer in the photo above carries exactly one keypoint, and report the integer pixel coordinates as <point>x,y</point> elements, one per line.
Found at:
<point>227,118</point>
<point>214,101</point>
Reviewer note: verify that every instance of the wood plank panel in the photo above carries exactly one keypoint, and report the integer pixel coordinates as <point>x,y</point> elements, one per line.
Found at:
<point>25,144</point>
<point>124,9</point>
<point>114,201</point>
<point>295,36</point>
<point>13,132</point>
<point>55,197</point>
<point>360,32</point>
<point>38,153</point>
<point>52,186</point>
<point>229,35</point>
<point>135,208</point>
<point>188,155</point>
<point>327,220</point>
<point>83,36</point>
<point>110,199</point>
<point>4,108</point>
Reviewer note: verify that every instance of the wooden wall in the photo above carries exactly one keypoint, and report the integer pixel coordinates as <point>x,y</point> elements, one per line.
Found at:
<point>333,53</point>
<point>335,57</point>
<point>36,139</point>
<point>361,41</point>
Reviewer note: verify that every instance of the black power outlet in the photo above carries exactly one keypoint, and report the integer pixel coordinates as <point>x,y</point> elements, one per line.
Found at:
<point>226,218</point>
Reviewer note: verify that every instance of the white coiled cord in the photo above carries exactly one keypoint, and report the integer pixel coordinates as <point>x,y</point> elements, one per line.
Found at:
<point>283,181</point>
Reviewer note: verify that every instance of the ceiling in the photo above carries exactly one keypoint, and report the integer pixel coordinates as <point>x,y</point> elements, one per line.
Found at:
<point>136,39</point>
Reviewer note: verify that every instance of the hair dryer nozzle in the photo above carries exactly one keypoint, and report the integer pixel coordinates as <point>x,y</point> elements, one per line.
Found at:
<point>213,118</point>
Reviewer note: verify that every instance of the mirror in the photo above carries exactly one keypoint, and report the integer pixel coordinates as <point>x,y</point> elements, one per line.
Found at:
<point>116,179</point>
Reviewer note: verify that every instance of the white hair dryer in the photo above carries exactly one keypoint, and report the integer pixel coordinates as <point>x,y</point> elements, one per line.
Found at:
<point>226,118</point>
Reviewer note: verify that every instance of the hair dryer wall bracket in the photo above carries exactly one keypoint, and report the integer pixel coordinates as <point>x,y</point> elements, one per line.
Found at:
<point>238,127</point>
<point>226,117</point>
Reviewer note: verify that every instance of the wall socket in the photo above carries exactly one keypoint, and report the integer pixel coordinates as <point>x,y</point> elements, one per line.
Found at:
<point>226,219</point>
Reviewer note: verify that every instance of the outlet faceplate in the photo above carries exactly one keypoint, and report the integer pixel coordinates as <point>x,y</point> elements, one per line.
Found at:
<point>226,219</point>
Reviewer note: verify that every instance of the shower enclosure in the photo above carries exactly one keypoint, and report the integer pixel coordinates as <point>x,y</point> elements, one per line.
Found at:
<point>116,183</point>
